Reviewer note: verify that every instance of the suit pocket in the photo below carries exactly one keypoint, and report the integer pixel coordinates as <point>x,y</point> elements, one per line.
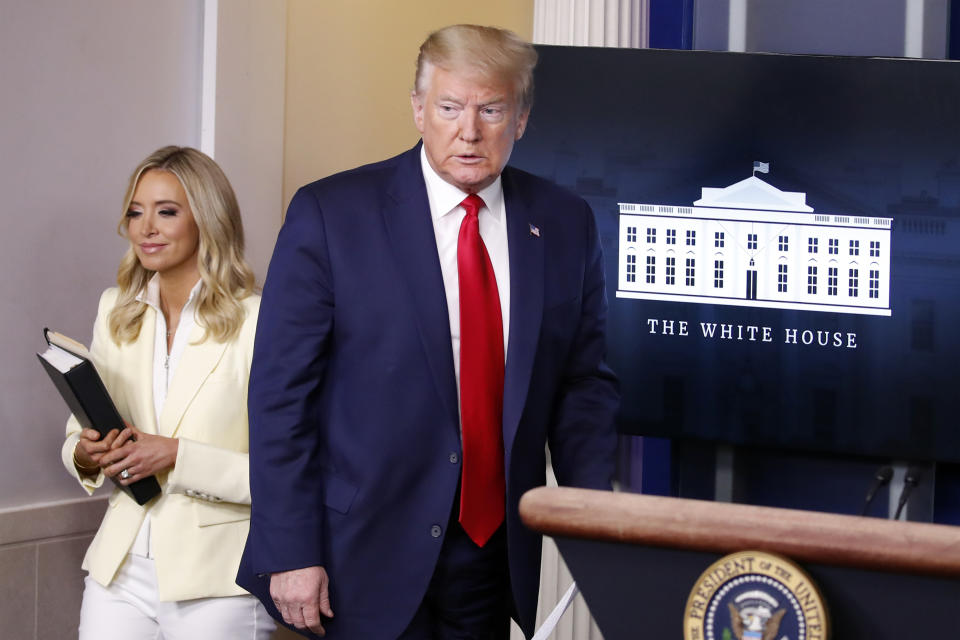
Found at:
<point>210,513</point>
<point>338,494</point>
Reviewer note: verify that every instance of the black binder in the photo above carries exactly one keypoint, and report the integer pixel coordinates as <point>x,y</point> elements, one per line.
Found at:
<point>78,382</point>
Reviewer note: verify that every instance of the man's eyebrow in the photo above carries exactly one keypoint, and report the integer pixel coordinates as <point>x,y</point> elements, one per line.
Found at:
<point>496,100</point>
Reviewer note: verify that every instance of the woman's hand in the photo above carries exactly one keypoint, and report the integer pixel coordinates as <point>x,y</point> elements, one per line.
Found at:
<point>90,450</point>
<point>139,454</point>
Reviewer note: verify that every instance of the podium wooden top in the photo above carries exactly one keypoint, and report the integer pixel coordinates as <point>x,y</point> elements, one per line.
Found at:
<point>698,525</point>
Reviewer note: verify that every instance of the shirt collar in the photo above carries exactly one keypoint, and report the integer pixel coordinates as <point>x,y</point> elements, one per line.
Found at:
<point>150,294</point>
<point>444,197</point>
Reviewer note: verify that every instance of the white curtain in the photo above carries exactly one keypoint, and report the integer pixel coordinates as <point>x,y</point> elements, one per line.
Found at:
<point>592,23</point>
<point>555,579</point>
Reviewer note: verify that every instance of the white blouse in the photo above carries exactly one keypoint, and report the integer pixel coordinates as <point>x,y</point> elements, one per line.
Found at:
<point>164,366</point>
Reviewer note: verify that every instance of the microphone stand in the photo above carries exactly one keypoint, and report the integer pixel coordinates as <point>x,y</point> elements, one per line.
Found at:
<point>880,479</point>
<point>910,482</point>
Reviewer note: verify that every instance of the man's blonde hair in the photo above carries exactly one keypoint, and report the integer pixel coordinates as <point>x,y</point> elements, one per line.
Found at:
<point>495,53</point>
<point>227,278</point>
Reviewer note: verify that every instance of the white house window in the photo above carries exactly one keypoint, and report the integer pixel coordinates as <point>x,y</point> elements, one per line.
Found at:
<point>651,269</point>
<point>831,281</point>
<point>718,274</point>
<point>691,238</point>
<point>718,239</point>
<point>671,236</point>
<point>631,234</point>
<point>691,271</point>
<point>784,244</point>
<point>781,278</point>
<point>854,247</point>
<point>812,245</point>
<point>874,283</point>
<point>834,246</point>
<point>812,280</point>
<point>751,241</point>
<point>651,235</point>
<point>631,267</point>
<point>874,248</point>
<point>854,282</point>
<point>671,270</point>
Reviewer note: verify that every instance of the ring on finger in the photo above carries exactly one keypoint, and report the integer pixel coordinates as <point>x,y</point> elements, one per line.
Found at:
<point>125,474</point>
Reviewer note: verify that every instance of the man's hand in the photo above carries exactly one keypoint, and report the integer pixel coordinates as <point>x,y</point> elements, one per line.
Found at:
<point>301,596</point>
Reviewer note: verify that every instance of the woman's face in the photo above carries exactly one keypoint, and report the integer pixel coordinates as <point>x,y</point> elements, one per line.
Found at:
<point>161,227</point>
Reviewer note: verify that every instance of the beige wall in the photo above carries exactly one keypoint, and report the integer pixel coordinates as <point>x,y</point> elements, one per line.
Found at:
<point>349,73</point>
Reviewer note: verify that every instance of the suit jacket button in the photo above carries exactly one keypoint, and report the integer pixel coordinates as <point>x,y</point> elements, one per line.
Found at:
<point>436,531</point>
<point>454,458</point>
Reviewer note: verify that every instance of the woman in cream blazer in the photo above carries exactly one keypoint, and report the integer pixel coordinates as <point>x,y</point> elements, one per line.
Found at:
<point>173,344</point>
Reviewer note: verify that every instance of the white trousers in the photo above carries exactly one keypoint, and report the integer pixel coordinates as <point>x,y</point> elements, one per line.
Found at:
<point>129,609</point>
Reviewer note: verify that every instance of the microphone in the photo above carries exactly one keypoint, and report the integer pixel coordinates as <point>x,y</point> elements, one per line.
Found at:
<point>910,481</point>
<point>880,479</point>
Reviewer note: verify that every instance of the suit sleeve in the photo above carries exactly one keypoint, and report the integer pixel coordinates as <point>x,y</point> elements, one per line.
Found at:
<point>289,364</point>
<point>101,339</point>
<point>582,437</point>
<point>209,472</point>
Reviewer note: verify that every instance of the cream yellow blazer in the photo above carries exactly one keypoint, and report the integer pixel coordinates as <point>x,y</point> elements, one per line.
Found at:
<point>199,523</point>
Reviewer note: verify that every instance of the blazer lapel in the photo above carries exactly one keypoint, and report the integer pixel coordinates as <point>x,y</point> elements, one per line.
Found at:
<point>196,364</point>
<point>526,302</point>
<point>410,230</point>
<point>140,354</point>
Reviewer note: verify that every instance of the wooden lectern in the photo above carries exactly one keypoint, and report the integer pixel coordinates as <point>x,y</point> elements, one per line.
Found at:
<point>636,559</point>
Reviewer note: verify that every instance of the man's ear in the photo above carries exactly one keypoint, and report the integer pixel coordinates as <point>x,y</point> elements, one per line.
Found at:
<point>417,103</point>
<point>522,123</point>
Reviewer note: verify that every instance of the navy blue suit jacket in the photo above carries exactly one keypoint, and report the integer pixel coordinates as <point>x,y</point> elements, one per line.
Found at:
<point>354,427</point>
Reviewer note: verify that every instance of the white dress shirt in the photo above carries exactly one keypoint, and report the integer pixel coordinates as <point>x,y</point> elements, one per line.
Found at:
<point>164,365</point>
<point>447,215</point>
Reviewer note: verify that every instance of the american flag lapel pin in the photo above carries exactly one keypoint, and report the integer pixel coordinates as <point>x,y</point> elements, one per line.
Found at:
<point>535,231</point>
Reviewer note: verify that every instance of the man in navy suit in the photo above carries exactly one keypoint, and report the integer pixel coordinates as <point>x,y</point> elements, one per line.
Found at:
<point>428,324</point>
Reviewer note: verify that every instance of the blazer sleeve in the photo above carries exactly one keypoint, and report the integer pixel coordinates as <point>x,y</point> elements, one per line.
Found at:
<point>289,365</point>
<point>581,436</point>
<point>209,472</point>
<point>101,340</point>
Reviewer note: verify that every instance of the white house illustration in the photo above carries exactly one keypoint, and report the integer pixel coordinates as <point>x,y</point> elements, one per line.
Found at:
<point>752,245</point>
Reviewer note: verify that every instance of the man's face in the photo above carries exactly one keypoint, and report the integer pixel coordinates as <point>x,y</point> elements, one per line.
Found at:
<point>469,124</point>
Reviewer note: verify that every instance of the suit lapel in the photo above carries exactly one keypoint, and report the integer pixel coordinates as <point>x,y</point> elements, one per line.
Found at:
<point>526,302</point>
<point>196,364</point>
<point>141,362</point>
<point>414,243</point>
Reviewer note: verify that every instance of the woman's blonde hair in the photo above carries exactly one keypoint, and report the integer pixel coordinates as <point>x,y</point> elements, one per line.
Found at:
<point>226,276</point>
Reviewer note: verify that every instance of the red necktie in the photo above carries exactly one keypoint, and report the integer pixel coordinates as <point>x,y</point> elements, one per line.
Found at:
<point>482,488</point>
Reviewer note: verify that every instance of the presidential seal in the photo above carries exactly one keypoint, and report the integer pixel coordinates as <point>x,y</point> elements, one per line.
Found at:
<point>753,595</point>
